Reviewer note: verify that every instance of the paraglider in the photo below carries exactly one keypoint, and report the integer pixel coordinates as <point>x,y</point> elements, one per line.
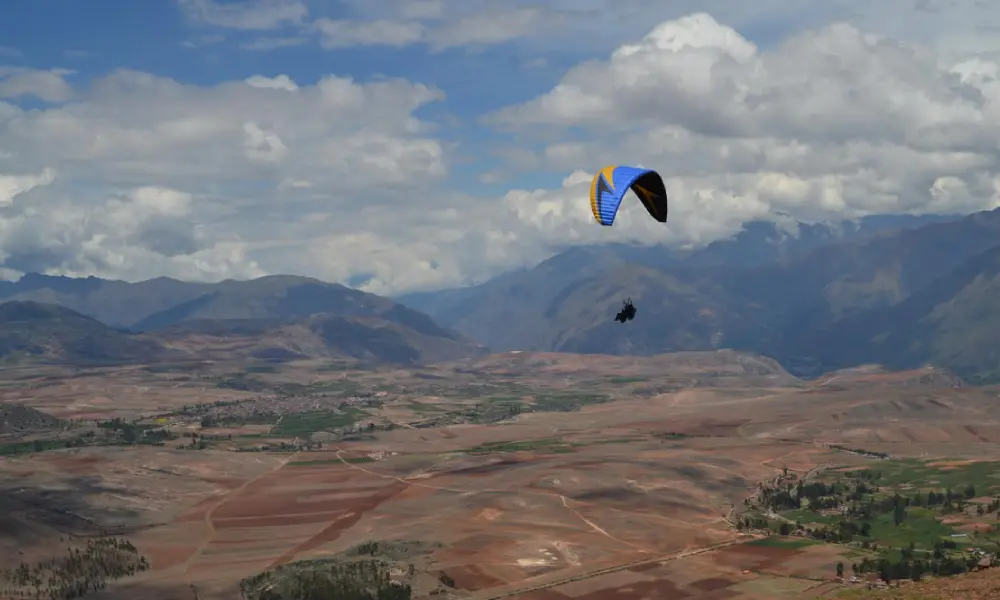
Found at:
<point>627,313</point>
<point>612,183</point>
<point>607,191</point>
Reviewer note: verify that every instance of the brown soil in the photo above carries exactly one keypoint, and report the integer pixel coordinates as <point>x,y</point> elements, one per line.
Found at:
<point>644,590</point>
<point>472,578</point>
<point>164,557</point>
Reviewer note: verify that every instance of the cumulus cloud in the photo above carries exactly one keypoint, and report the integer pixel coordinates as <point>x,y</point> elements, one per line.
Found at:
<point>136,128</point>
<point>12,186</point>
<point>951,26</point>
<point>832,123</point>
<point>157,177</point>
<point>123,236</point>
<point>48,85</point>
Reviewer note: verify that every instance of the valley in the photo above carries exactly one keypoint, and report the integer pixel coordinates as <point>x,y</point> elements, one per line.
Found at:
<point>513,475</point>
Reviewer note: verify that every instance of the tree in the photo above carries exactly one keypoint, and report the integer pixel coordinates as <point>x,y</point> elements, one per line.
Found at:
<point>898,514</point>
<point>840,569</point>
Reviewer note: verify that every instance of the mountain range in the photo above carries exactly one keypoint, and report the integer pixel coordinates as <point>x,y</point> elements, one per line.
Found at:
<point>901,291</point>
<point>897,291</point>
<point>87,321</point>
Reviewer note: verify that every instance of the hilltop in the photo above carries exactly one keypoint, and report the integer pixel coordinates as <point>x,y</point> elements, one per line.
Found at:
<point>20,418</point>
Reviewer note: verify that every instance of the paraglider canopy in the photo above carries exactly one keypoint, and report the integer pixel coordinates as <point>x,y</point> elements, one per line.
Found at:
<point>612,183</point>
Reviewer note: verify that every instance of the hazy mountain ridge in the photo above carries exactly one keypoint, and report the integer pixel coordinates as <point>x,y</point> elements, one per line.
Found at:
<point>759,243</point>
<point>899,296</point>
<point>276,317</point>
<point>900,291</point>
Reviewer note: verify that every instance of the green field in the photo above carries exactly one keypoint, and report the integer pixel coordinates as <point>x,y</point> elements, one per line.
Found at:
<point>805,515</point>
<point>17,448</point>
<point>624,380</point>
<point>619,440</point>
<point>920,524</point>
<point>780,541</point>
<point>553,445</point>
<point>921,527</point>
<point>307,423</point>
<point>985,476</point>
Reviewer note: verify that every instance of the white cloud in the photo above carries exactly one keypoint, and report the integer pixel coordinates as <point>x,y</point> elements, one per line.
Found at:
<point>12,186</point>
<point>49,85</point>
<point>833,123</point>
<point>248,15</point>
<point>348,33</point>
<point>281,82</point>
<point>953,27</point>
<point>158,177</point>
<point>433,23</point>
<point>486,28</point>
<point>136,128</point>
<point>123,236</point>
<point>421,9</point>
<point>204,41</point>
<point>273,43</point>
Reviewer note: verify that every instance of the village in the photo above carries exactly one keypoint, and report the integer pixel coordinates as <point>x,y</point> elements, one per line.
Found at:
<point>266,409</point>
<point>858,509</point>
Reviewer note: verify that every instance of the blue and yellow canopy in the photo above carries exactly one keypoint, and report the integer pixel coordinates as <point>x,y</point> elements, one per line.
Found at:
<point>612,183</point>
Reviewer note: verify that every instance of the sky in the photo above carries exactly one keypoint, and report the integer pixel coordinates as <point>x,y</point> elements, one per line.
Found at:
<point>409,145</point>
